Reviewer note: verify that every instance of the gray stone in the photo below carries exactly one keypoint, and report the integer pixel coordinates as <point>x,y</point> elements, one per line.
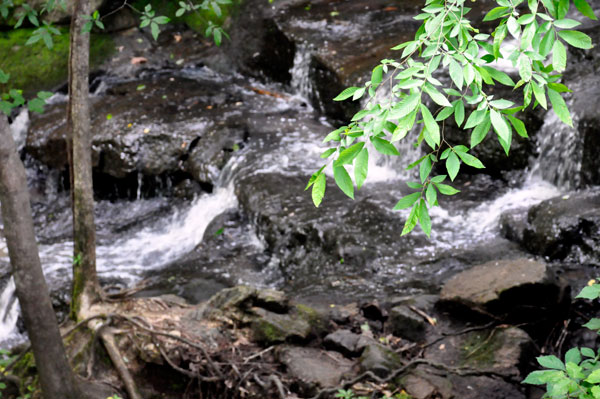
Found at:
<point>520,289</point>
<point>270,328</point>
<point>379,359</point>
<point>314,367</point>
<point>405,323</point>
<point>347,342</point>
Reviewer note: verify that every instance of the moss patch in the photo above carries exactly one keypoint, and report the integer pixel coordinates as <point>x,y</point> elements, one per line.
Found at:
<point>479,349</point>
<point>36,67</point>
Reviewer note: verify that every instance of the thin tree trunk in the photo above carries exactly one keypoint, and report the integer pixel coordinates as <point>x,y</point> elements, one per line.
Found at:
<point>86,289</point>
<point>56,378</point>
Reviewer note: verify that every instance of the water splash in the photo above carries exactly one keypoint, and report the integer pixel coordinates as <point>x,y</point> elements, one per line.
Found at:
<point>301,82</point>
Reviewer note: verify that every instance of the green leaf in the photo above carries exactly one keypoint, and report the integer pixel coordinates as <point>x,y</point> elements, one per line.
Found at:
<point>347,93</point>
<point>585,9</point>
<point>444,114</point>
<point>590,292</point>
<point>559,56</point>
<point>446,189</point>
<point>384,146</point>
<point>593,324</point>
<point>495,13</point>
<point>539,377</point>
<point>424,219</point>
<point>377,75</point>
<point>573,356</point>
<point>411,222</point>
<point>480,132</point>
<point>4,77</point>
<point>518,125</point>
<point>348,155</point>
<point>594,377</point>
<point>499,76</point>
<point>587,352</point>
<point>566,23</point>
<point>459,112</point>
<point>560,107</point>
<point>501,104</point>
<point>470,160</point>
<point>327,154</point>
<point>550,362</point>
<point>318,190</point>
<point>436,96</point>
<point>155,30</point>
<point>431,127</point>
<point>431,195</point>
<point>499,125</point>
<point>425,169</point>
<point>405,107</point>
<point>576,38</point>
<point>525,68</point>
<point>540,96</point>
<point>547,43</point>
<point>361,167</point>
<point>407,201</point>
<point>36,105</point>
<point>475,118</point>
<point>343,180</point>
<point>452,165</point>
<point>456,73</point>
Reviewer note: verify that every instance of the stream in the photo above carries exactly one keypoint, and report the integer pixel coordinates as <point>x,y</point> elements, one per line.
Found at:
<point>249,221</point>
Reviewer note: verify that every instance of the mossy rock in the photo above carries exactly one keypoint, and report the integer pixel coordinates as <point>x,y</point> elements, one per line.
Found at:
<point>35,67</point>
<point>316,320</point>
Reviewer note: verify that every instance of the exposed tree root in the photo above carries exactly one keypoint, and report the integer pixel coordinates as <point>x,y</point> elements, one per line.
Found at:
<point>108,339</point>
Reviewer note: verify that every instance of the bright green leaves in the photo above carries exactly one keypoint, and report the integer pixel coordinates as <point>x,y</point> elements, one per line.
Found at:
<point>408,201</point>
<point>456,73</point>
<point>343,180</point>
<point>318,191</point>
<point>91,21</point>
<point>560,107</point>
<point>500,126</point>
<point>585,9</point>
<point>525,67</point>
<point>347,93</point>
<point>452,165</point>
<point>348,155</point>
<point>384,146</point>
<point>436,96</point>
<point>432,130</point>
<point>559,56</point>
<point>376,76</point>
<point>361,168</point>
<point>576,38</point>
<point>149,18</point>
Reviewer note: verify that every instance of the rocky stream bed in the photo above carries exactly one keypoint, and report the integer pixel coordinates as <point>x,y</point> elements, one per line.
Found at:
<point>199,174</point>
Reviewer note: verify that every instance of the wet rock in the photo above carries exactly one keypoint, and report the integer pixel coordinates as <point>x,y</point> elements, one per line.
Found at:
<point>503,351</point>
<point>314,368</point>
<point>513,224</point>
<point>405,323</point>
<point>518,290</point>
<point>271,328</point>
<point>374,311</point>
<point>379,359</point>
<point>566,228</point>
<point>258,47</point>
<point>346,342</point>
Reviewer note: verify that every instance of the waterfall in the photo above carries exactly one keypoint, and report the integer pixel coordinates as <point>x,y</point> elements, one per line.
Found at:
<point>560,151</point>
<point>300,72</point>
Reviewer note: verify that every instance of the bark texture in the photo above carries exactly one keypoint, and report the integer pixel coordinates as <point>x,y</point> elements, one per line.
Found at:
<point>86,289</point>
<point>56,378</point>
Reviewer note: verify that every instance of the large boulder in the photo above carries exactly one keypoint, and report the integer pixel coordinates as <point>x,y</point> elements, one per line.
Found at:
<point>519,290</point>
<point>566,228</point>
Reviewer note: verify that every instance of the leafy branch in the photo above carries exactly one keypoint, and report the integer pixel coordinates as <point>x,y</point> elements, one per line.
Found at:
<point>446,41</point>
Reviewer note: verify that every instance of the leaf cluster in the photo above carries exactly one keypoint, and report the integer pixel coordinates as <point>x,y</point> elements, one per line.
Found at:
<point>406,99</point>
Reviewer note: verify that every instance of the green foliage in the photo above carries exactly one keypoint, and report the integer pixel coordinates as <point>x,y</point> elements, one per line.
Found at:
<point>418,103</point>
<point>349,394</point>
<point>206,16</point>
<point>578,375</point>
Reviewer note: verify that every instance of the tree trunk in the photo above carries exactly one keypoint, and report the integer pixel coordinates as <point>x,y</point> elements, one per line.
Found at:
<point>86,289</point>
<point>56,378</point>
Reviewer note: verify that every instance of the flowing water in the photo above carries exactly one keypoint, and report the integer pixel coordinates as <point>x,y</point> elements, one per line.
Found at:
<point>292,150</point>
